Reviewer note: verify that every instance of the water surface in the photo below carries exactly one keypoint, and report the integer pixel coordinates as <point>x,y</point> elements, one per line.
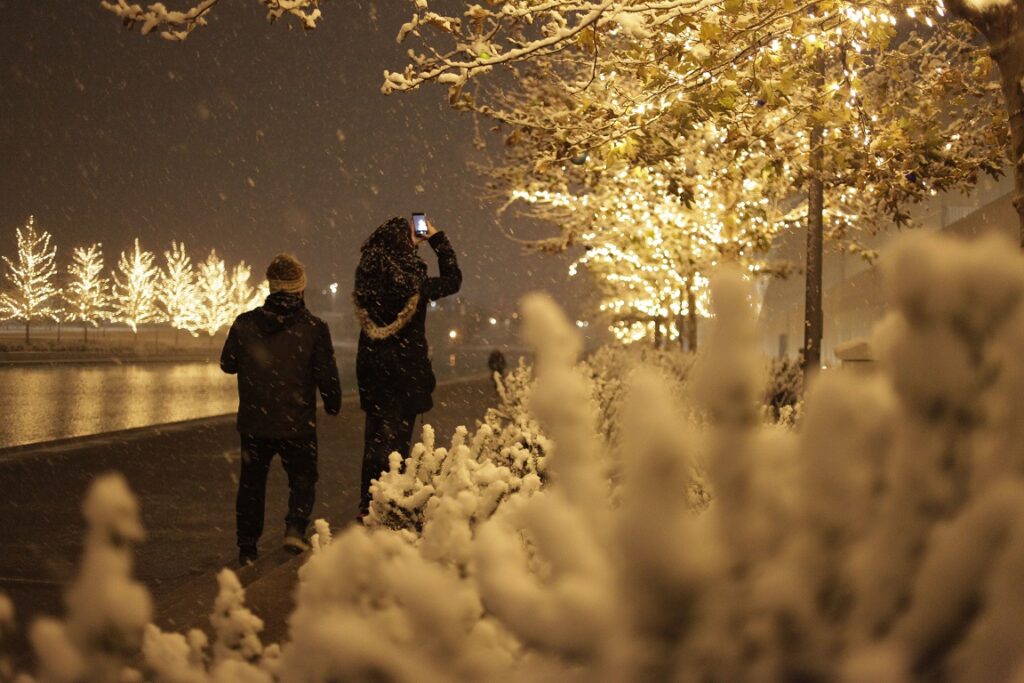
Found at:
<point>44,402</point>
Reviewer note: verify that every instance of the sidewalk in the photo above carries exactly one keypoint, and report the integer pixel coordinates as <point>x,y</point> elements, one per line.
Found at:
<point>185,476</point>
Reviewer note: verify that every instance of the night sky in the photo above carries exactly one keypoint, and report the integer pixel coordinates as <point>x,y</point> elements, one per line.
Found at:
<point>250,138</point>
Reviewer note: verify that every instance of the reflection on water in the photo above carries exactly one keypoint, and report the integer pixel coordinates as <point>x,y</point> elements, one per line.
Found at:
<point>47,402</point>
<point>44,402</point>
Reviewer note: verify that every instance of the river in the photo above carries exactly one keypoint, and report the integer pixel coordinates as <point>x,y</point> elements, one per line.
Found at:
<point>46,402</point>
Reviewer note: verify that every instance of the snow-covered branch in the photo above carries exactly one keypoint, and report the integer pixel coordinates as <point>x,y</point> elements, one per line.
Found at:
<point>178,24</point>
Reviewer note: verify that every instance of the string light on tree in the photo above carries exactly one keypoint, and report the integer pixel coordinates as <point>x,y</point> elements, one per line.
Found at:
<point>86,293</point>
<point>177,290</point>
<point>33,292</point>
<point>215,307</point>
<point>134,292</point>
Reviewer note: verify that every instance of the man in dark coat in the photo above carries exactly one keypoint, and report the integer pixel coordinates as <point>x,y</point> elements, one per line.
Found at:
<point>282,355</point>
<point>393,363</point>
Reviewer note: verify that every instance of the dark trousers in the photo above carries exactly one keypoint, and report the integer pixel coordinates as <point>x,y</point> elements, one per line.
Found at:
<point>298,457</point>
<point>386,433</point>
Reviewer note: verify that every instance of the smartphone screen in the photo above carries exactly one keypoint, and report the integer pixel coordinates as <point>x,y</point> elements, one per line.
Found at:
<point>419,224</point>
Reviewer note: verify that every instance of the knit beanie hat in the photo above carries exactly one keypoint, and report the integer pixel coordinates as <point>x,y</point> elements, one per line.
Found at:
<point>286,274</point>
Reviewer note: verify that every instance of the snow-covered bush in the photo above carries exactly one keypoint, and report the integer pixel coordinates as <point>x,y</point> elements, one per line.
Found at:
<point>107,636</point>
<point>881,541</point>
<point>784,392</point>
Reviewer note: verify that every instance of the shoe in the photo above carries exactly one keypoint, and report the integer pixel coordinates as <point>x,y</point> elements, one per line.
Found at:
<point>247,555</point>
<point>294,541</point>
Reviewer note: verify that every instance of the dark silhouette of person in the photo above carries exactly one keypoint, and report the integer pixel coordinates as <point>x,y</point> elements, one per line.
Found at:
<point>496,362</point>
<point>282,354</point>
<point>396,380</point>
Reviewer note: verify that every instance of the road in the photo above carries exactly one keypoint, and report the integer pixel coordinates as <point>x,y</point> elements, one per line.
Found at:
<point>185,476</point>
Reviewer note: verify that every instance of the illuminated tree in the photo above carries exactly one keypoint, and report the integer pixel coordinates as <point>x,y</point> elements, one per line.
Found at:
<point>1001,22</point>
<point>33,293</point>
<point>134,292</point>
<point>86,293</point>
<point>853,107</point>
<point>177,289</point>
<point>877,112</point>
<point>243,295</point>
<point>215,306</point>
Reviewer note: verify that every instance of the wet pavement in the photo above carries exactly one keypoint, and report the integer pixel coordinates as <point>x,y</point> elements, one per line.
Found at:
<point>185,476</point>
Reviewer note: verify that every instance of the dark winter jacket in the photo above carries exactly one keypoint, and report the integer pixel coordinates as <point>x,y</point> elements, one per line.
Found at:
<point>282,355</point>
<point>391,296</point>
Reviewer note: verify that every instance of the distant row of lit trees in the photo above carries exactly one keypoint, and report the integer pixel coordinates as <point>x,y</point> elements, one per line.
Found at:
<point>202,298</point>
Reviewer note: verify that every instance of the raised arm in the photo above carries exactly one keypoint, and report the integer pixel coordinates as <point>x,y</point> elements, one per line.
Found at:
<point>450,279</point>
<point>325,370</point>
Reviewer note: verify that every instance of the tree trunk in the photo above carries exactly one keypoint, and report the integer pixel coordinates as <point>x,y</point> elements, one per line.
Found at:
<point>85,333</point>
<point>28,322</point>
<point>657,333</point>
<point>58,331</point>
<point>691,319</point>
<point>1010,58</point>
<point>814,321</point>
<point>1003,28</point>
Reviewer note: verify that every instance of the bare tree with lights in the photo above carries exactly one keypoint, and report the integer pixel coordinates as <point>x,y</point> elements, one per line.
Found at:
<point>215,309</point>
<point>33,292</point>
<point>243,296</point>
<point>177,290</point>
<point>87,291</point>
<point>135,289</point>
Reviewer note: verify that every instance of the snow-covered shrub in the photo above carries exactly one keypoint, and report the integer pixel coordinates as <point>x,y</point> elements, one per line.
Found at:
<point>107,636</point>
<point>371,607</point>
<point>785,389</point>
<point>107,611</point>
<point>464,483</point>
<point>322,535</point>
<point>881,541</point>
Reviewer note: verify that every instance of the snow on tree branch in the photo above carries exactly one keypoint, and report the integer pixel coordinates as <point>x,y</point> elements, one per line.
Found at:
<point>177,25</point>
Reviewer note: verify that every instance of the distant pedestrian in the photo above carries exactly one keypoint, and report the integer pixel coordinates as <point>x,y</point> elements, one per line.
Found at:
<point>282,355</point>
<point>496,362</point>
<point>393,367</point>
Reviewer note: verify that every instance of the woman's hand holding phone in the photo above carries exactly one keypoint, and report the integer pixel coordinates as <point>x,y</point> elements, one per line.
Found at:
<point>419,235</point>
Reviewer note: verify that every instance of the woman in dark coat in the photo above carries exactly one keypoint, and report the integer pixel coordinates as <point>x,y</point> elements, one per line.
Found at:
<point>393,366</point>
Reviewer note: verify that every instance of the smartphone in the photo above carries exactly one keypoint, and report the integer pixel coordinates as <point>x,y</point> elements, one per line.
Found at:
<point>419,225</point>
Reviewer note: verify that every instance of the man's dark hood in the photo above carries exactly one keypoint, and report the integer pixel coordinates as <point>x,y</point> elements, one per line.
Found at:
<point>280,311</point>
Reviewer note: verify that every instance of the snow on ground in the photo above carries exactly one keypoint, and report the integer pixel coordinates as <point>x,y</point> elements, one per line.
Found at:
<point>632,519</point>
